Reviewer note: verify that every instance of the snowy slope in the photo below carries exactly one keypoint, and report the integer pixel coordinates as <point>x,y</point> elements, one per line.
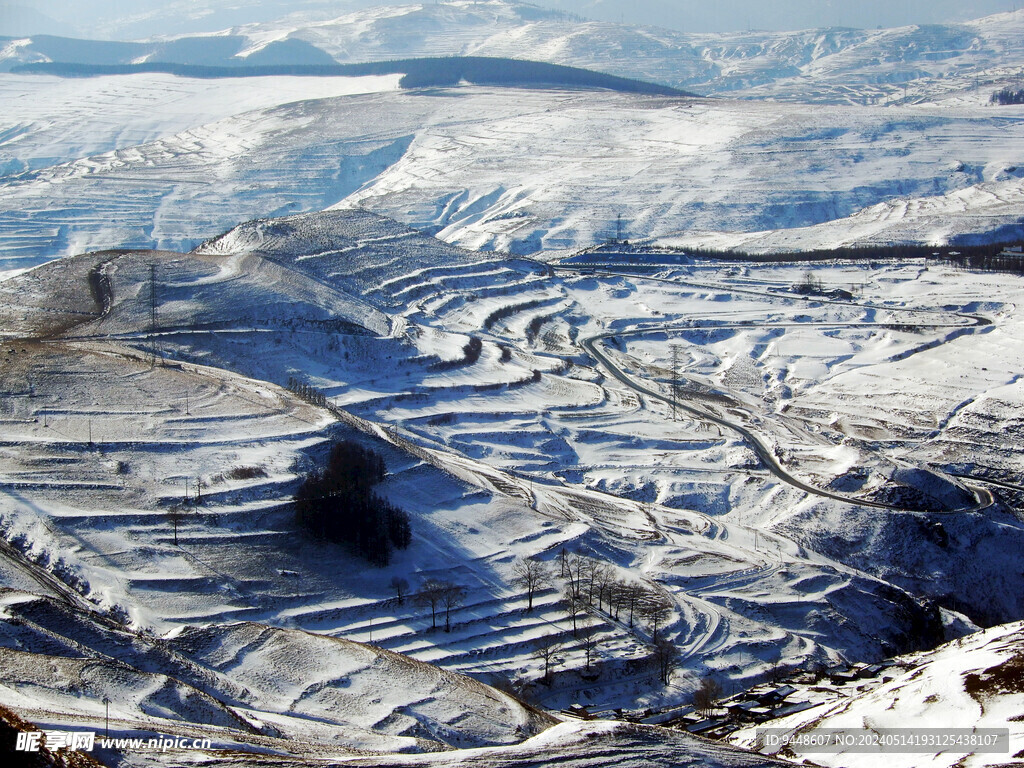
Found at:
<point>546,170</point>
<point>533,447</point>
<point>244,679</point>
<point>50,120</point>
<point>974,682</point>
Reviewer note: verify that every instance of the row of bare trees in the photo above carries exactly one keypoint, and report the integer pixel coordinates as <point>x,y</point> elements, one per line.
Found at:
<point>440,596</point>
<point>590,584</point>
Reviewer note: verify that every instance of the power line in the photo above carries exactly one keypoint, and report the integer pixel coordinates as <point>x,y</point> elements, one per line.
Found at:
<point>153,314</point>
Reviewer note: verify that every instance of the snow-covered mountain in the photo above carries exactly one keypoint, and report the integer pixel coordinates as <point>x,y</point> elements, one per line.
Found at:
<point>543,171</point>
<point>836,65</point>
<point>908,150</point>
<point>830,65</point>
<point>825,65</point>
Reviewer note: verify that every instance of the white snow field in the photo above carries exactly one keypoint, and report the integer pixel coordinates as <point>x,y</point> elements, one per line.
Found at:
<point>785,521</point>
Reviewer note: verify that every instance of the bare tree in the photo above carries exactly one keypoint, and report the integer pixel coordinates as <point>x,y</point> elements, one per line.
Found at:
<point>531,575</point>
<point>615,597</point>
<point>430,595</point>
<point>809,283</point>
<point>574,572</point>
<point>706,697</point>
<point>665,656</point>
<point>545,650</point>
<point>589,643</point>
<point>631,596</point>
<point>573,606</point>
<point>452,596</point>
<point>590,571</point>
<point>603,578</point>
<point>400,586</point>
<point>655,610</point>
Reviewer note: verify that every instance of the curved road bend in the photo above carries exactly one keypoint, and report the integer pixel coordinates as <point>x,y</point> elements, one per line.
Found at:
<point>762,450</point>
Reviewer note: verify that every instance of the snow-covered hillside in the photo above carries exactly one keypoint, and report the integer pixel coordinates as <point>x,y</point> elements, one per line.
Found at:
<point>905,147</point>
<point>827,65</point>
<point>154,498</point>
<point>543,171</point>
<point>975,680</point>
<point>240,682</point>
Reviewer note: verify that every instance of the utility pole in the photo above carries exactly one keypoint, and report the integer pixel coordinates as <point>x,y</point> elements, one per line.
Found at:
<point>675,379</point>
<point>152,313</point>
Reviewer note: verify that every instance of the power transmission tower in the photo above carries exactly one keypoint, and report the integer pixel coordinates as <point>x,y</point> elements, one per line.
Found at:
<point>675,379</point>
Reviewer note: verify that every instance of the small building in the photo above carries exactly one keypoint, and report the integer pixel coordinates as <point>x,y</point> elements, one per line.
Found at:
<point>749,711</point>
<point>871,670</point>
<point>793,708</point>
<point>580,711</point>
<point>776,696</point>
<point>707,725</point>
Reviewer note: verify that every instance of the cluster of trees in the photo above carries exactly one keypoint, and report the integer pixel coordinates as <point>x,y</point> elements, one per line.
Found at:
<point>989,262</point>
<point>510,309</point>
<point>470,354</point>
<point>338,504</point>
<point>439,595</point>
<point>1008,96</point>
<point>589,585</point>
<point>973,246</point>
<point>810,284</point>
<point>707,696</point>
<point>307,392</point>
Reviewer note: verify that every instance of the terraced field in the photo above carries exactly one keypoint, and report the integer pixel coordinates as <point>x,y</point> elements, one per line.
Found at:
<point>159,458</point>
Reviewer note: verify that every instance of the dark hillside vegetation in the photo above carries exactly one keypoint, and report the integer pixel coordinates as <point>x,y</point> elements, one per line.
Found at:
<point>338,504</point>
<point>1008,96</point>
<point>418,73</point>
<point>992,257</point>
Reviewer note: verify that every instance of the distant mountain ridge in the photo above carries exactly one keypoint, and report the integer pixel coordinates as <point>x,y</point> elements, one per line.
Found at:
<point>834,65</point>
<point>417,73</point>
